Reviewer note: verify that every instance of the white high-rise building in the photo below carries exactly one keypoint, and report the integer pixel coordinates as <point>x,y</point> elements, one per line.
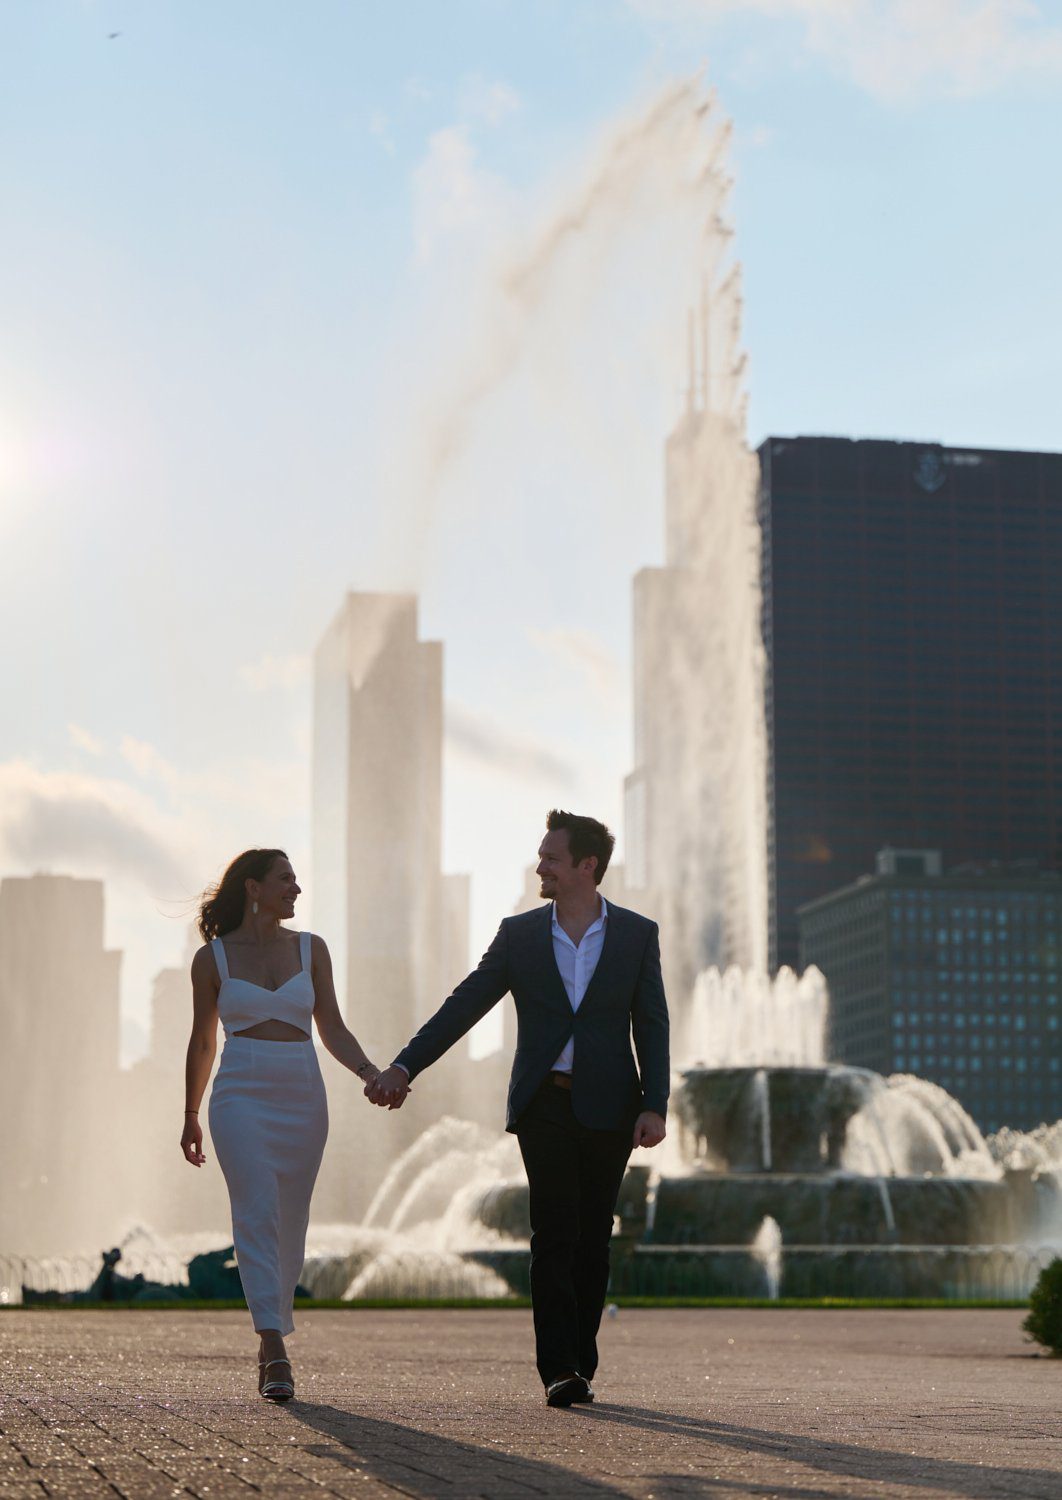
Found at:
<point>59,1002</point>
<point>396,926</point>
<point>695,818</point>
<point>378,896</point>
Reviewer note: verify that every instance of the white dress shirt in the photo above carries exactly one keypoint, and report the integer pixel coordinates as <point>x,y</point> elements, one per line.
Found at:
<point>577,965</point>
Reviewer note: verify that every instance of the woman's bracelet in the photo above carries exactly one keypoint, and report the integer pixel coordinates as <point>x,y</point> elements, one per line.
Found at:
<point>191,1111</point>
<point>366,1064</point>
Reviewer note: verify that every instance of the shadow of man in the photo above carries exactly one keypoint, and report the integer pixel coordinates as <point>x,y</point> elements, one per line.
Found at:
<point>874,1466</point>
<point>423,1464</point>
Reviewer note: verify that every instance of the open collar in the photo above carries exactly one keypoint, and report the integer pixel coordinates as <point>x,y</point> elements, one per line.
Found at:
<point>601,920</point>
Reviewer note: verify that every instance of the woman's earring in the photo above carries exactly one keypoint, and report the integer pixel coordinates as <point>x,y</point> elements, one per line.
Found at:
<point>254,908</point>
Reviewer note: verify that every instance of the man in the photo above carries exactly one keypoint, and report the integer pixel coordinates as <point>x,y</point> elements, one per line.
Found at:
<point>584,976</point>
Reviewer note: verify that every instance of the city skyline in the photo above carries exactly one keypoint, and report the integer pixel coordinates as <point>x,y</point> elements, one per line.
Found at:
<point>912,639</point>
<point>238,292</point>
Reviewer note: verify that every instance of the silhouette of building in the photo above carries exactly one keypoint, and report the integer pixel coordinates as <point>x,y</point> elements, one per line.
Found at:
<point>396,926</point>
<point>378,888</point>
<point>59,997</point>
<point>159,1188</point>
<point>912,622</point>
<point>954,977</point>
<point>695,810</point>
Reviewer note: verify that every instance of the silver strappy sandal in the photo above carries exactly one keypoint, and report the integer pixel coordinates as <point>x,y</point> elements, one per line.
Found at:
<point>275,1390</point>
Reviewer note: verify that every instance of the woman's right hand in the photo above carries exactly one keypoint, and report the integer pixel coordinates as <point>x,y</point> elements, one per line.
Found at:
<point>192,1141</point>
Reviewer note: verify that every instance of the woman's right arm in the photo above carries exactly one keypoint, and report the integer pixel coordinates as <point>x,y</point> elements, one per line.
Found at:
<point>201,1048</point>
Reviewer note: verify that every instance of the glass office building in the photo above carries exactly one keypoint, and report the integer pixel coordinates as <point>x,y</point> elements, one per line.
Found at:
<point>912,616</point>
<point>953,977</point>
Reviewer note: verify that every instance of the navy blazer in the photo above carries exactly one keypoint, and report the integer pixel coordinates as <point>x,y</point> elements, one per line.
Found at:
<point>625,995</point>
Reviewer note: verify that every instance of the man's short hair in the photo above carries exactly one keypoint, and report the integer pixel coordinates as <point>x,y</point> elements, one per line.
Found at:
<point>586,837</point>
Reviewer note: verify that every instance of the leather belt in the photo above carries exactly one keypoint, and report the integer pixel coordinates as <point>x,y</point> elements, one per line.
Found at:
<point>562,1080</point>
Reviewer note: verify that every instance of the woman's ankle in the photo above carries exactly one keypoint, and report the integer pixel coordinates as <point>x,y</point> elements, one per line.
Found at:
<point>271,1344</point>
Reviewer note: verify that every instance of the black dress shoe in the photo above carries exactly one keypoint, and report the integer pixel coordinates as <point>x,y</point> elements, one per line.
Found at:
<point>588,1396</point>
<point>568,1390</point>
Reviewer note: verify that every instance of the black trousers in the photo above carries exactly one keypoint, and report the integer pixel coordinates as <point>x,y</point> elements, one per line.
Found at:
<point>574,1175</point>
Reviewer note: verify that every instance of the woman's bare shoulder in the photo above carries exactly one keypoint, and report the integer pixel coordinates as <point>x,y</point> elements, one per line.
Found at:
<point>204,964</point>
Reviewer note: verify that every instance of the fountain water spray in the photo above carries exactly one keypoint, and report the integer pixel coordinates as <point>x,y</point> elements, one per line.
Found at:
<point>767,1250</point>
<point>745,1019</point>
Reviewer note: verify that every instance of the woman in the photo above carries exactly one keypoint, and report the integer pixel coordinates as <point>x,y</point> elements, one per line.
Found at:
<point>268,1113</point>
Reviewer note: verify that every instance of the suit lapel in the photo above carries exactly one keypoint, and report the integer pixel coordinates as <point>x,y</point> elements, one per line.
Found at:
<point>554,984</point>
<point>599,979</point>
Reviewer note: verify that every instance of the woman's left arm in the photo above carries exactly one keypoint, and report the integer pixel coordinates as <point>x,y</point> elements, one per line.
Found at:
<point>338,1039</point>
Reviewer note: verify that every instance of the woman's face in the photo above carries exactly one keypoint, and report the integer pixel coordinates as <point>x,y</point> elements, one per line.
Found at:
<point>276,892</point>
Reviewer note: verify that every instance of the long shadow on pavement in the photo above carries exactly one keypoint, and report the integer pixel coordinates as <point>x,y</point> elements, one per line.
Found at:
<point>852,1461</point>
<point>423,1464</point>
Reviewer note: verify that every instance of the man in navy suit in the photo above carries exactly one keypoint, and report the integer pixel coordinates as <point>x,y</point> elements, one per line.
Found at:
<point>585,977</point>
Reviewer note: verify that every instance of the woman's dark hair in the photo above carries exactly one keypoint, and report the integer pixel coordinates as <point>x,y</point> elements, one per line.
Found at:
<point>586,837</point>
<point>221,909</point>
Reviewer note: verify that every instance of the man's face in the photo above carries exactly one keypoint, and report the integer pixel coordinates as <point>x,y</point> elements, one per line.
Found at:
<point>556,870</point>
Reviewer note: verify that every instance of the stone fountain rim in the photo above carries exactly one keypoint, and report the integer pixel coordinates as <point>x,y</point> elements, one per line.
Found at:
<point>817,1070</point>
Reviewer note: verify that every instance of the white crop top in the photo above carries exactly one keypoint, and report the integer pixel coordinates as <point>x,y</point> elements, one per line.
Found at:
<point>242,1004</point>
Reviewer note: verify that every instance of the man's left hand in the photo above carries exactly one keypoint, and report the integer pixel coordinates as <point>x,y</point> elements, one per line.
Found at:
<point>389,1088</point>
<point>649,1129</point>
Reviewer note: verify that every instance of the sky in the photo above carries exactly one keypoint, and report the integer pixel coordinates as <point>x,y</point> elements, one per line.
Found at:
<point>296,300</point>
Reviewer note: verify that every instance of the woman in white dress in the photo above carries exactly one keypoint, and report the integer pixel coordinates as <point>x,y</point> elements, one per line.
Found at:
<point>268,1113</point>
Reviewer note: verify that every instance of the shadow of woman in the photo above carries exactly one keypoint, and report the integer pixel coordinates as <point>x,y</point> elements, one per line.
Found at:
<point>848,1460</point>
<point>424,1464</point>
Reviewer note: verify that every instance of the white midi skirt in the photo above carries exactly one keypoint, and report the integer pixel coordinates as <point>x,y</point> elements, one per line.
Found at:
<point>269,1122</point>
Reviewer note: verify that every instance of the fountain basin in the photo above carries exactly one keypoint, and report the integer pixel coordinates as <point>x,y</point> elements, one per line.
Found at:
<point>771,1119</point>
<point>714,1209</point>
<point>950,1272</point>
<point>708,1208</point>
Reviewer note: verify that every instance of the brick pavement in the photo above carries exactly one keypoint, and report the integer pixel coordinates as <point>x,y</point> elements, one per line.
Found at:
<point>801,1405</point>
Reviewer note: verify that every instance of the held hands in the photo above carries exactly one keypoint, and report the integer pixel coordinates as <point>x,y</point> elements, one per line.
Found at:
<point>649,1129</point>
<point>192,1141</point>
<point>389,1088</point>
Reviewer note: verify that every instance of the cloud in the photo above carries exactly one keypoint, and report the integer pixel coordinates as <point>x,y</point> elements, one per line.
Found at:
<point>453,196</point>
<point>163,833</point>
<point>89,825</point>
<point>147,761</point>
<point>758,137</point>
<point>489,101</point>
<point>582,652</point>
<point>289,671</point>
<point>416,89</point>
<point>494,748</point>
<point>252,784</point>
<point>903,49</point>
<point>380,130</point>
<point>84,740</point>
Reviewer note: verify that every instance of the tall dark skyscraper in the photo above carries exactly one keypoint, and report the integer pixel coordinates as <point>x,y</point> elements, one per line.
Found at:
<point>912,619</point>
